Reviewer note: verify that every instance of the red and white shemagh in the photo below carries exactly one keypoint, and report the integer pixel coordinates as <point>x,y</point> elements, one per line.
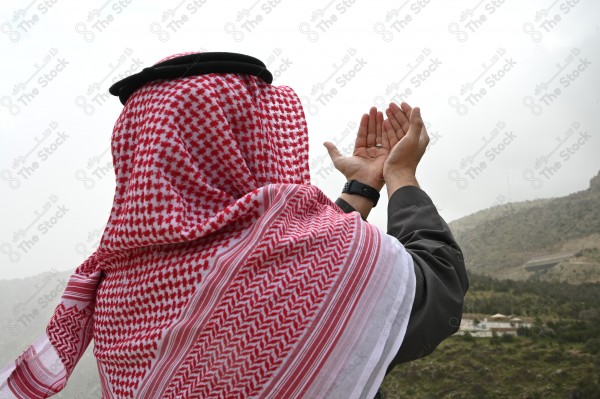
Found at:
<point>222,273</point>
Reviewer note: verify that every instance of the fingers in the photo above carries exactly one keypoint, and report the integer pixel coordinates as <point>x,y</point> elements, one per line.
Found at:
<point>406,108</point>
<point>361,137</point>
<point>424,136</point>
<point>372,128</point>
<point>334,153</point>
<point>402,115</point>
<point>389,134</point>
<point>416,124</point>
<point>378,129</point>
<point>424,139</point>
<point>393,121</point>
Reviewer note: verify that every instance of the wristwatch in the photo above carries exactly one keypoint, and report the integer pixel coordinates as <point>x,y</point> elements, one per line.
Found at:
<point>358,188</point>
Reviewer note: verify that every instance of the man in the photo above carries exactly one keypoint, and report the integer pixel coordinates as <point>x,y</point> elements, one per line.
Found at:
<point>222,272</point>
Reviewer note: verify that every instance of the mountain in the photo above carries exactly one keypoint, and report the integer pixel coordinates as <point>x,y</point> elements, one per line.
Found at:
<point>555,239</point>
<point>548,239</point>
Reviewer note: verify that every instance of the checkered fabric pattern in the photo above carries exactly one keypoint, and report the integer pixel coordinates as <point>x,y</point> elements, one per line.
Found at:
<point>222,273</point>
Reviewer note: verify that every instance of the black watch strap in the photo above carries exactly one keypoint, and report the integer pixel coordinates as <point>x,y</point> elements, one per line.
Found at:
<point>358,188</point>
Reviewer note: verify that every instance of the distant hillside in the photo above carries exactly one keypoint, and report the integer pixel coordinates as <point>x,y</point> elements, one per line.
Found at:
<point>557,358</point>
<point>549,239</point>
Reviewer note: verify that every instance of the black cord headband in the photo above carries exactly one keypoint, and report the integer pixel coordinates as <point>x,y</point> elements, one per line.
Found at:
<point>190,65</point>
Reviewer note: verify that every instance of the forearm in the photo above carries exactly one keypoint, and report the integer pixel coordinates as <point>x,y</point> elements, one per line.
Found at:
<point>439,267</point>
<point>364,205</point>
<point>439,270</point>
<point>398,180</point>
<point>360,204</point>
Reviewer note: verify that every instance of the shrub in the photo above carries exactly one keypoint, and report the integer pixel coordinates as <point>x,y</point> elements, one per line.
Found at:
<point>508,338</point>
<point>592,346</point>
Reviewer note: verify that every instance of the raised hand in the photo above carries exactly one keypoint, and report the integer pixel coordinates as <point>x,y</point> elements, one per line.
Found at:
<point>370,152</point>
<point>405,134</point>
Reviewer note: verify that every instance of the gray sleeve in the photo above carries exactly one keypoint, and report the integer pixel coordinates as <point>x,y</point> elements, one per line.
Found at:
<point>439,269</point>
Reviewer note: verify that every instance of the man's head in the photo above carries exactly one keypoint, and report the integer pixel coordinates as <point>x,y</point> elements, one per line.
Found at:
<point>187,149</point>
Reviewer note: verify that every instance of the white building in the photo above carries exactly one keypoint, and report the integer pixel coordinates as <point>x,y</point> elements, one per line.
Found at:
<point>482,326</point>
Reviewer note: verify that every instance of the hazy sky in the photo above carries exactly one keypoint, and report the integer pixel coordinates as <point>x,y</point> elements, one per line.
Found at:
<point>510,91</point>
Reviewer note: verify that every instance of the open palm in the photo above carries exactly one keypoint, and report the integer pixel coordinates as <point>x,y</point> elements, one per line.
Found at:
<point>369,155</point>
<point>374,143</point>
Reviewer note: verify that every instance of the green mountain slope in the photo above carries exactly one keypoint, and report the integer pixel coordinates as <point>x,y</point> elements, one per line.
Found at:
<point>552,239</point>
<point>549,239</point>
<point>558,358</point>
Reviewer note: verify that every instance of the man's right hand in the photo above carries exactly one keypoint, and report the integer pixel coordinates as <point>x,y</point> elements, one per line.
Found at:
<point>407,139</point>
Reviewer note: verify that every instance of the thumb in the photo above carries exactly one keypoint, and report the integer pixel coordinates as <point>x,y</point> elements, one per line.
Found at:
<point>334,154</point>
<point>416,123</point>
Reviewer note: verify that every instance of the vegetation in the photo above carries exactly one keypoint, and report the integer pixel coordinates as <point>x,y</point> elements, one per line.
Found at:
<point>498,241</point>
<point>521,367</point>
<point>559,357</point>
